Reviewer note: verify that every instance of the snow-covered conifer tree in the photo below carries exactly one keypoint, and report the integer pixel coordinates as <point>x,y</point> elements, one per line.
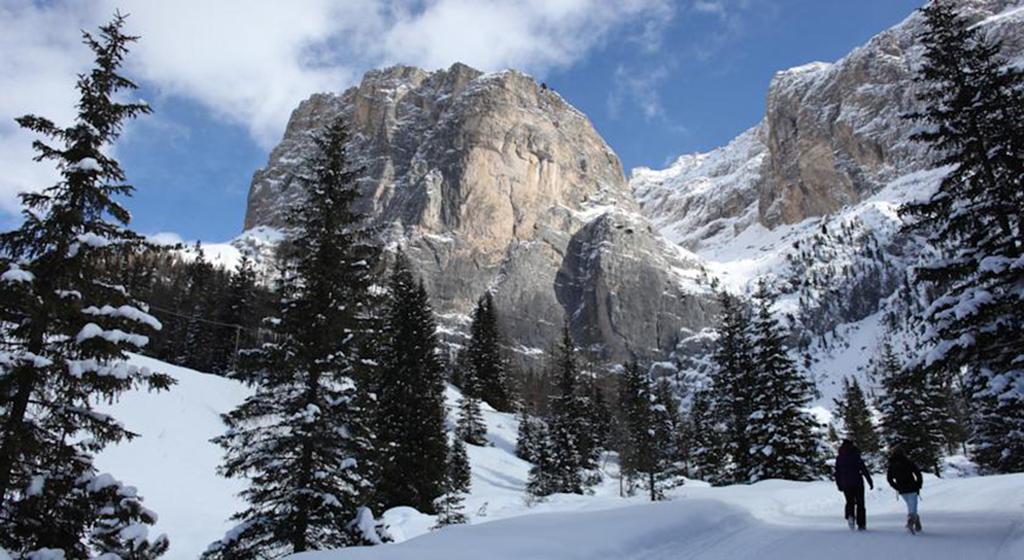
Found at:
<point>411,440</point>
<point>303,439</point>
<point>784,438</point>
<point>484,356</point>
<point>971,117</point>
<point>66,323</point>
<point>858,425</point>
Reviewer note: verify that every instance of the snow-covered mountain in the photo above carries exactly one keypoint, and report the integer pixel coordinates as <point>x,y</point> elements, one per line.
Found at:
<point>495,182</point>
<point>809,195</point>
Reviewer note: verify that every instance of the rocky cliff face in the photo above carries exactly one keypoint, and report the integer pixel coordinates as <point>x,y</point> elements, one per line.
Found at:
<point>493,182</point>
<point>832,136</point>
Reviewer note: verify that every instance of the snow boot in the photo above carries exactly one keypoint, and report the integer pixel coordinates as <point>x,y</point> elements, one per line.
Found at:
<point>851,522</point>
<point>917,523</point>
<point>911,524</point>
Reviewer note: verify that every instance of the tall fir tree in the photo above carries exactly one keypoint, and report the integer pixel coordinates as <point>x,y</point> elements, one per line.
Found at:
<point>676,444</point>
<point>457,483</point>
<point>912,419</point>
<point>972,116</point>
<point>411,439</point>
<point>237,317</point>
<point>733,391</point>
<point>529,436</point>
<point>706,434</point>
<point>469,424</point>
<point>784,438</point>
<point>858,425</point>
<point>545,476</point>
<point>484,355</point>
<point>646,450</point>
<point>303,439</point>
<point>197,337</point>
<point>569,426</point>
<point>66,323</point>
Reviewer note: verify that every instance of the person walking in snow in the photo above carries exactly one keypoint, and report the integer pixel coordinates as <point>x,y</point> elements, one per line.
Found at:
<point>850,474</point>
<point>905,477</point>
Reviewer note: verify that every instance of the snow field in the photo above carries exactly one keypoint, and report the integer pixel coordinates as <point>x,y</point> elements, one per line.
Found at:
<point>174,467</point>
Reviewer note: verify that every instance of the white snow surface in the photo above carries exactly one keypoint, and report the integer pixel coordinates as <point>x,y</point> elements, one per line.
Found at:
<point>173,465</point>
<point>979,517</point>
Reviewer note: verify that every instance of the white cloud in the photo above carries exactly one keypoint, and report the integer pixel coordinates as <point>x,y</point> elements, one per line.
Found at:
<point>639,88</point>
<point>250,62</point>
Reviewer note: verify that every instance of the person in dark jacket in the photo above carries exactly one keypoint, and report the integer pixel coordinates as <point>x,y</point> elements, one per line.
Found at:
<point>904,476</point>
<point>850,474</point>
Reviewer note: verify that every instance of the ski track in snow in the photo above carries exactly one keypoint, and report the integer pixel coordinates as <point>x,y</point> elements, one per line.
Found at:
<point>174,466</point>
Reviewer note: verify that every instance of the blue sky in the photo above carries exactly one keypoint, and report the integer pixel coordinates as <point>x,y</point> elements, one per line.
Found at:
<point>658,78</point>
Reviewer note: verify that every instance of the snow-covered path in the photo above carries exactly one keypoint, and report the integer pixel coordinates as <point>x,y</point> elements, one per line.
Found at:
<point>975,518</point>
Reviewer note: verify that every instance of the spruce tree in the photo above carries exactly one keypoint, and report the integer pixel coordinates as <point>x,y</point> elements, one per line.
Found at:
<point>676,444</point>
<point>706,435</point>
<point>469,425</point>
<point>910,418</point>
<point>733,391</point>
<point>238,308</point>
<point>783,436</point>
<point>66,323</point>
<point>456,484</point>
<point>485,357</point>
<point>858,426</point>
<point>569,428</point>
<point>971,116</point>
<point>646,451</point>
<point>529,436</point>
<point>303,439</point>
<point>545,477</point>
<point>411,440</point>
<point>198,338</point>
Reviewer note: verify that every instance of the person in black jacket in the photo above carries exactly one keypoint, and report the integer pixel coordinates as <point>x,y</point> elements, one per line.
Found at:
<point>904,476</point>
<point>850,474</point>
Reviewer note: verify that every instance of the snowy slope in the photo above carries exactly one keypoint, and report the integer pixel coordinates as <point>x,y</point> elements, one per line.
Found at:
<point>963,518</point>
<point>173,464</point>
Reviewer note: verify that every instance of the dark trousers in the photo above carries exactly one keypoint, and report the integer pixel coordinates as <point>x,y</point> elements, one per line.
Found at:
<point>855,505</point>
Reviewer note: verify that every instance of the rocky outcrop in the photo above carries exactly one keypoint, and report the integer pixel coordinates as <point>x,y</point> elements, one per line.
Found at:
<point>833,135</point>
<point>493,182</point>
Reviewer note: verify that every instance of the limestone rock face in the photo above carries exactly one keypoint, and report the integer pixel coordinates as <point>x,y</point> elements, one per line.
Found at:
<point>493,182</point>
<point>832,136</point>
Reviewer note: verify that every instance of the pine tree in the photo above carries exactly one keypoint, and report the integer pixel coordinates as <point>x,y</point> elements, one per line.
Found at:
<point>569,428</point>
<point>910,418</point>
<point>237,308</point>
<point>732,392</point>
<point>411,435</point>
<point>198,338</point>
<point>66,323</point>
<point>456,484</point>
<point>858,426</point>
<point>529,437</point>
<point>972,117</point>
<point>675,445</point>
<point>485,357</point>
<point>783,437</point>
<point>303,439</point>
<point>706,435</point>
<point>646,452</point>
<point>545,476</point>
<point>470,426</point>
